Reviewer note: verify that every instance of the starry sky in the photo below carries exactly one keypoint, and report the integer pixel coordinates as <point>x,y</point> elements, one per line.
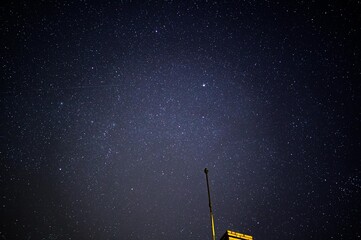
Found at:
<point>111,110</point>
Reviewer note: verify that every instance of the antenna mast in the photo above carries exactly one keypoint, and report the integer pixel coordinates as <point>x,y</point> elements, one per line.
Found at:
<point>210,206</point>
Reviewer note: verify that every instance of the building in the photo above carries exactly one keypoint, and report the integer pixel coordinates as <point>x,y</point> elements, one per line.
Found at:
<point>230,235</point>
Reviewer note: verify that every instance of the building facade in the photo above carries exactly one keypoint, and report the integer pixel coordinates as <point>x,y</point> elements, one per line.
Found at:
<point>231,235</point>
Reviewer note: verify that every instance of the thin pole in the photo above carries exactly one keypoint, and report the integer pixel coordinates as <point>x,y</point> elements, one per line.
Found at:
<point>210,206</point>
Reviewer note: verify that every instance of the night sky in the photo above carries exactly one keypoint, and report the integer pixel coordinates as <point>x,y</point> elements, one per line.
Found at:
<point>111,110</point>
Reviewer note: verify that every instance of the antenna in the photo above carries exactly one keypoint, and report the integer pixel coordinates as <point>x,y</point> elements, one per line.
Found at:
<point>210,206</point>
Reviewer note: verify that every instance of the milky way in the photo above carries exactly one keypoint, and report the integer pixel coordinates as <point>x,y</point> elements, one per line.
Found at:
<point>110,112</point>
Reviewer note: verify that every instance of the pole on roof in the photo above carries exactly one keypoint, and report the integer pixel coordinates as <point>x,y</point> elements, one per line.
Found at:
<point>210,206</point>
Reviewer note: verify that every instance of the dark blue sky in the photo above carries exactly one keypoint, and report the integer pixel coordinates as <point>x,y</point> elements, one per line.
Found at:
<point>111,111</point>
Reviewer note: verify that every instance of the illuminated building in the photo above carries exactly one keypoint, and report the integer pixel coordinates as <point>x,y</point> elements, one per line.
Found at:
<point>231,235</point>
